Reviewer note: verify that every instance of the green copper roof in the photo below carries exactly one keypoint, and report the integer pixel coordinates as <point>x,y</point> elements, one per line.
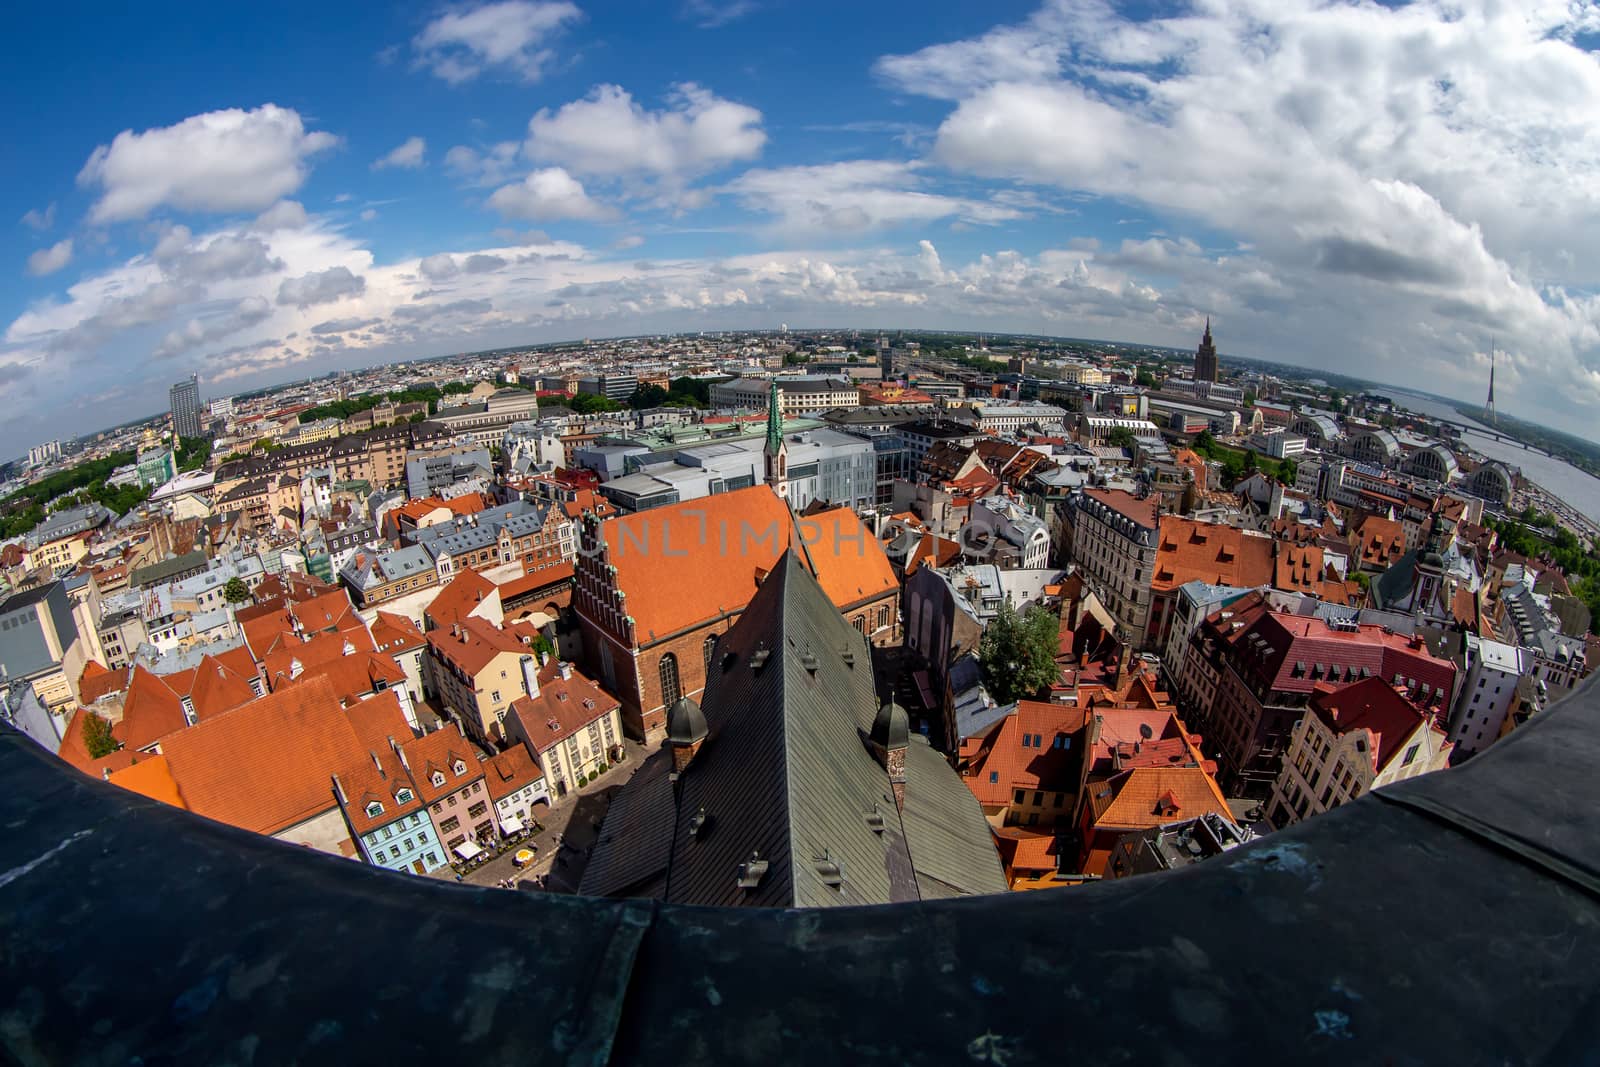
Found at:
<point>774,421</point>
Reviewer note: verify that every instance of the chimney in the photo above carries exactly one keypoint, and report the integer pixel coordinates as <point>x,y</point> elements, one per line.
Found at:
<point>566,671</point>
<point>891,733</point>
<point>530,676</point>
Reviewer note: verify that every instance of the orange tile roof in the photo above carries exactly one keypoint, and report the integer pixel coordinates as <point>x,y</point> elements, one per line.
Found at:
<point>850,563</point>
<point>96,682</point>
<point>473,643</point>
<point>563,707</point>
<point>317,650</point>
<point>1378,541</point>
<point>457,599</point>
<point>509,771</point>
<point>934,550</point>
<point>151,777</point>
<point>1299,569</point>
<point>1026,850</point>
<point>355,676</point>
<point>1146,797</point>
<point>396,633</point>
<point>744,533</point>
<point>330,611</point>
<point>377,775</point>
<point>441,752</point>
<point>268,765</point>
<point>1012,765</point>
<point>379,718</point>
<point>1212,552</point>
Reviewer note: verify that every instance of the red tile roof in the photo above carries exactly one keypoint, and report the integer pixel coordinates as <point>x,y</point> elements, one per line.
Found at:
<point>1124,503</point>
<point>1145,797</point>
<point>473,643</point>
<point>441,753</point>
<point>509,771</point>
<point>1389,719</point>
<point>96,682</point>
<point>1002,756</point>
<point>150,777</point>
<point>563,707</point>
<point>396,633</point>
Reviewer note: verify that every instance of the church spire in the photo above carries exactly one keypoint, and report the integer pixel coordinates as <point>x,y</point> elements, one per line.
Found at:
<point>774,421</point>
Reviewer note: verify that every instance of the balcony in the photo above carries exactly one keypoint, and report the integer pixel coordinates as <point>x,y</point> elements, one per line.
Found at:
<point>1450,918</point>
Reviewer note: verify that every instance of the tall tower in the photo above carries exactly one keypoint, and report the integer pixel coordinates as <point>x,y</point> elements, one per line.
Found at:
<point>1488,408</point>
<point>776,450</point>
<point>185,399</point>
<point>1205,357</point>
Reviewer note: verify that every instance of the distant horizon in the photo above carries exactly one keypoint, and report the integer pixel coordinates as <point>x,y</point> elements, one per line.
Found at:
<point>869,334</point>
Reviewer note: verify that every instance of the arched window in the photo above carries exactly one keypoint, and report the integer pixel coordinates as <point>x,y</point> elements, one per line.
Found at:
<point>883,616</point>
<point>710,650</point>
<point>861,624</point>
<point>671,689</point>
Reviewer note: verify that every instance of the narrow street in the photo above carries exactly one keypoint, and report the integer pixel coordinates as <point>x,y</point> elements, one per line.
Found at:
<point>570,828</point>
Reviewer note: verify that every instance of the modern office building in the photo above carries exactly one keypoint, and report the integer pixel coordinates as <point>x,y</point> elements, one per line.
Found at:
<point>185,398</point>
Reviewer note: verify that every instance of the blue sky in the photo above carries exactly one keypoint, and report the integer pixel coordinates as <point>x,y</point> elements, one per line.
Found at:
<point>259,193</point>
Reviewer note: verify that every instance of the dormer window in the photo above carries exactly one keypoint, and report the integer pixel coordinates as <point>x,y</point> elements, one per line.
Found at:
<point>438,778</point>
<point>374,809</point>
<point>403,796</point>
<point>460,768</point>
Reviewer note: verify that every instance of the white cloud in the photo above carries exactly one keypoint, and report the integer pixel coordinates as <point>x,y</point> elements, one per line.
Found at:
<point>226,321</point>
<point>221,161</point>
<point>218,258</point>
<point>368,215</point>
<point>491,166</point>
<point>513,36</point>
<point>408,155</point>
<point>853,197</point>
<point>632,240</point>
<point>1421,172</point>
<point>40,220</point>
<point>608,134</point>
<point>711,14</point>
<point>547,195</point>
<point>321,287</point>
<point>49,260</point>
<point>284,215</point>
<point>440,267</point>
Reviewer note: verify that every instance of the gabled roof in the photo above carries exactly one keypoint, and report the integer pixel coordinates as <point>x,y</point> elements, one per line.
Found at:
<point>509,771</point>
<point>150,777</point>
<point>1012,764</point>
<point>377,777</point>
<point>396,633</point>
<point>1143,797</point>
<point>459,598</point>
<point>96,682</point>
<point>265,766</point>
<point>441,751</point>
<point>473,643</point>
<point>329,611</point>
<point>1373,706</point>
<point>563,707</point>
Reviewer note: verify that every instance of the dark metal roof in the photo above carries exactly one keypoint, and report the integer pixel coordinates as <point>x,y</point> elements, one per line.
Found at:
<point>25,597</point>
<point>1449,918</point>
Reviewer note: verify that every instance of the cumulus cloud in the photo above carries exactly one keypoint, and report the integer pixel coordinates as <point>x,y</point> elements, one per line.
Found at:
<point>853,197</point>
<point>632,240</point>
<point>513,37</point>
<point>439,268</point>
<point>49,260</point>
<point>1428,160</point>
<point>408,155</point>
<point>284,215</point>
<point>321,287</point>
<point>609,134</point>
<point>217,258</point>
<point>225,321</point>
<point>490,166</point>
<point>482,263</point>
<point>547,195</point>
<point>221,161</point>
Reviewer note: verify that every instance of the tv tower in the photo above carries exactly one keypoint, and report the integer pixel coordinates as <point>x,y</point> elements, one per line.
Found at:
<point>1488,408</point>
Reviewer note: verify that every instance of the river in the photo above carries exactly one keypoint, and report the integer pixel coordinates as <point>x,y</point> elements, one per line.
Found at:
<point>1559,477</point>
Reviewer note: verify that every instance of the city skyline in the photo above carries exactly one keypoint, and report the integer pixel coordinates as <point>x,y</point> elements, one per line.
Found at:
<point>537,172</point>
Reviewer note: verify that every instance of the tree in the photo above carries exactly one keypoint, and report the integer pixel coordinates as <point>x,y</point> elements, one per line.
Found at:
<point>1250,398</point>
<point>1145,378</point>
<point>97,736</point>
<point>589,403</point>
<point>647,396</point>
<point>1120,437</point>
<point>1205,444</point>
<point>1288,470</point>
<point>1018,652</point>
<point>235,592</point>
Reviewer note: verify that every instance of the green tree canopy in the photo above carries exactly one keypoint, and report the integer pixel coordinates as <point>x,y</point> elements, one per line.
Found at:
<point>1018,652</point>
<point>97,736</point>
<point>235,591</point>
<point>1120,437</point>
